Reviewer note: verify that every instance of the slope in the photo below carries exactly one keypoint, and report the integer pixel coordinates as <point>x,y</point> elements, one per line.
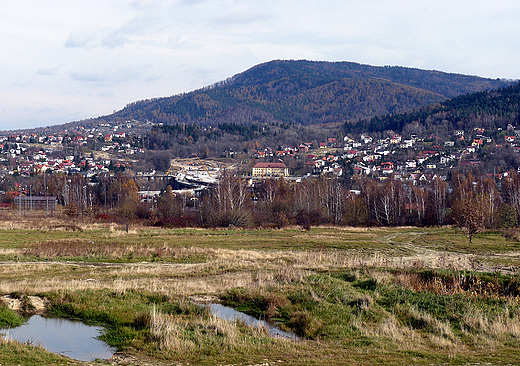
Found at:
<point>487,109</point>
<point>307,92</point>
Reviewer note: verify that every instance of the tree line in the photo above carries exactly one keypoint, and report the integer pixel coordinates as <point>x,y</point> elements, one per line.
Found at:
<point>472,202</point>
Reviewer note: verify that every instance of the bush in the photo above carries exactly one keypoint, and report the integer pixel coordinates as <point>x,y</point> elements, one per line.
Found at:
<point>237,218</point>
<point>102,217</point>
<point>305,324</point>
<point>308,218</point>
<point>257,304</point>
<point>281,220</point>
<point>142,211</point>
<point>179,221</point>
<point>71,210</point>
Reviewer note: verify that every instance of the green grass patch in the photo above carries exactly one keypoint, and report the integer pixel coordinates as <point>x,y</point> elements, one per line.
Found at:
<point>9,319</point>
<point>14,353</point>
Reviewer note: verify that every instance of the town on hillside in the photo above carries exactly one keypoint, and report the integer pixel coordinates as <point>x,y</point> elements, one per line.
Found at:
<point>114,147</point>
<point>92,171</point>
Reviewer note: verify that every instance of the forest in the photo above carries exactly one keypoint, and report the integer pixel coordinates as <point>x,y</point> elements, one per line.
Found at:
<point>306,92</point>
<point>183,140</point>
<point>487,109</point>
<point>490,110</point>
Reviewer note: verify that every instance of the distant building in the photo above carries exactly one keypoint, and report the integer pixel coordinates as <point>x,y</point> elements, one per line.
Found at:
<point>270,170</point>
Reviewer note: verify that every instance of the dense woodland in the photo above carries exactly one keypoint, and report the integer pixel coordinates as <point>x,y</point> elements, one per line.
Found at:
<point>487,109</point>
<point>183,140</point>
<point>306,92</point>
<point>289,102</point>
<point>492,111</point>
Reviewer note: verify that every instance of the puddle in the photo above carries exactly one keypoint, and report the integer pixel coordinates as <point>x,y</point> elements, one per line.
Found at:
<point>227,313</point>
<point>62,336</point>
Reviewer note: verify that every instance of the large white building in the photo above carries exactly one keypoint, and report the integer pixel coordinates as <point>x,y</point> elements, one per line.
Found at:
<point>270,170</point>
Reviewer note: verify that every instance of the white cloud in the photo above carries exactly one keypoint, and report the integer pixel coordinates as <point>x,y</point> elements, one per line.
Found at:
<point>47,71</point>
<point>82,37</point>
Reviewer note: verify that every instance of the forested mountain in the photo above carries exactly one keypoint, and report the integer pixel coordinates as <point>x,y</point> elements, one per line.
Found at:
<point>307,92</point>
<point>487,109</point>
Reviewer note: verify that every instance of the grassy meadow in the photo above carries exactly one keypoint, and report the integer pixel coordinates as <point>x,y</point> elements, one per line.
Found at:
<point>354,296</point>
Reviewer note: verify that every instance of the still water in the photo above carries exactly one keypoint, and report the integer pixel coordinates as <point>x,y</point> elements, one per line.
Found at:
<point>227,313</point>
<point>69,338</point>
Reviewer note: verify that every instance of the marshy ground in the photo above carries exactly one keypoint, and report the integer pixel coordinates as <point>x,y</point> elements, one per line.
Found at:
<point>422,296</point>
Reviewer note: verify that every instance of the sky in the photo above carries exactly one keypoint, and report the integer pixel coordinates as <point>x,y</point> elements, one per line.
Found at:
<point>68,60</point>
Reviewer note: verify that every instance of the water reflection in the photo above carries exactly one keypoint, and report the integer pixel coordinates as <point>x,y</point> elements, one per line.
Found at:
<point>231,314</point>
<point>70,338</point>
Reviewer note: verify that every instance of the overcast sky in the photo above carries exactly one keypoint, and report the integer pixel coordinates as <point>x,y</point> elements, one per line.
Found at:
<point>66,60</point>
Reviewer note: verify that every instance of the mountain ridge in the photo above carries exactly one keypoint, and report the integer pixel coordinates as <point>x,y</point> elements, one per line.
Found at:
<point>303,92</point>
<point>308,92</point>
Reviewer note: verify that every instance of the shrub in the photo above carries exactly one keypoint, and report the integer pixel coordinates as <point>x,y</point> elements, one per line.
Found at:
<point>238,218</point>
<point>305,324</point>
<point>71,210</point>
<point>258,304</point>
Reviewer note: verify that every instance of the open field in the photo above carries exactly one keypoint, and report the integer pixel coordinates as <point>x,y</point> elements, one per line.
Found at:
<point>355,296</point>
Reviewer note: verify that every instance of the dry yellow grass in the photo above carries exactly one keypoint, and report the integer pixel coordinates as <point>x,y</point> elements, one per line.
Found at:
<point>202,264</point>
<point>221,269</point>
<point>391,328</point>
<point>497,327</point>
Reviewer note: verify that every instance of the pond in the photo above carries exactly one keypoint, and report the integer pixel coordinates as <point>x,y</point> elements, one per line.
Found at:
<point>227,313</point>
<point>62,336</point>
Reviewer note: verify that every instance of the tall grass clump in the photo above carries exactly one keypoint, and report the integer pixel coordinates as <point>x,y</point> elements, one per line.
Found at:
<point>205,334</point>
<point>497,326</point>
<point>9,319</point>
<point>261,304</point>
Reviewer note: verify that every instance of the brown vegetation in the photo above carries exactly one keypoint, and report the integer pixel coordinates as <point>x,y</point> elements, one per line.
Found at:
<point>305,286</point>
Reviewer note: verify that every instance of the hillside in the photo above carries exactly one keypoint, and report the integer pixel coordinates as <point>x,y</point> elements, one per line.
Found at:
<point>307,92</point>
<point>486,109</point>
